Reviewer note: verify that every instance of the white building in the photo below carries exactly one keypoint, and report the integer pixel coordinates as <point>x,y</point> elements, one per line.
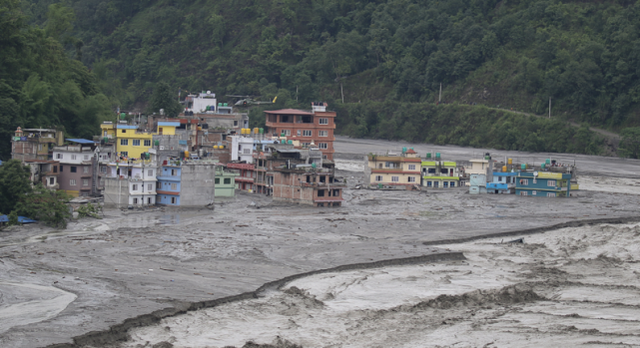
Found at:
<point>131,183</point>
<point>241,148</point>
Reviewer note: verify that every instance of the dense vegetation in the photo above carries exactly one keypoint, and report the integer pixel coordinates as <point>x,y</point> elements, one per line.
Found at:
<point>513,54</point>
<point>20,198</point>
<point>466,126</point>
<point>40,86</point>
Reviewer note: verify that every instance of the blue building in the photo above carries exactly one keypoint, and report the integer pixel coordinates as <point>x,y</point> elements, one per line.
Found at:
<point>545,184</point>
<point>503,183</point>
<point>168,189</point>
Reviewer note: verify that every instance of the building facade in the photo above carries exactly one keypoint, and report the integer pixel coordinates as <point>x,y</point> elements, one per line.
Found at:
<point>186,183</point>
<point>77,166</point>
<point>308,127</point>
<point>245,175</point>
<point>393,170</point>
<point>543,184</point>
<point>131,183</point>
<point>225,181</point>
<point>35,143</point>
<point>439,174</point>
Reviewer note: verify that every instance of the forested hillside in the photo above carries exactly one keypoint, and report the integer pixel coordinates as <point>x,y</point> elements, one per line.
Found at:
<point>513,54</point>
<point>40,86</point>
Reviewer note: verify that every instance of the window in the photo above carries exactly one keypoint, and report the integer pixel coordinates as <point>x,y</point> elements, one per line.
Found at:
<point>323,145</point>
<point>150,172</point>
<point>147,142</point>
<point>227,181</point>
<point>59,156</point>
<point>395,179</point>
<point>125,153</point>
<point>72,182</point>
<point>74,157</point>
<point>523,193</point>
<point>173,172</point>
<point>173,200</point>
<point>217,181</point>
<point>524,182</point>
<point>135,201</point>
<point>412,167</point>
<point>436,184</point>
<point>85,182</point>
<point>125,142</point>
<point>323,121</point>
<point>52,181</point>
<point>429,184</point>
<point>551,183</point>
<point>286,132</point>
<point>40,147</point>
<point>551,194</point>
<point>150,187</point>
<point>134,187</point>
<point>320,193</point>
<point>246,151</point>
<point>86,157</point>
<point>323,133</point>
<point>412,179</point>
<point>74,169</point>
<point>55,169</point>
<point>235,123</point>
<point>499,179</point>
<point>432,170</point>
<point>136,142</point>
<point>453,184</point>
<point>306,133</point>
<point>445,184</point>
<point>378,177</point>
<point>174,186</point>
<point>85,169</point>
<point>149,200</point>
<point>534,193</point>
<point>124,131</point>
<point>60,169</point>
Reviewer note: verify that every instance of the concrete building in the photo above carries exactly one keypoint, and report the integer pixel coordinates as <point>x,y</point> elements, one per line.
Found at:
<point>241,148</point>
<point>45,172</point>
<point>204,107</point>
<point>307,127</point>
<point>245,175</point>
<point>35,143</point>
<point>186,183</point>
<point>225,181</point>
<point>78,172</point>
<point>391,170</point>
<point>132,142</point>
<point>131,182</point>
<point>543,184</point>
<point>480,173</point>
<point>503,183</point>
<point>439,174</point>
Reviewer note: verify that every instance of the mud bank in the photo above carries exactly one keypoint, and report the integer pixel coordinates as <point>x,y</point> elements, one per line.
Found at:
<point>567,287</point>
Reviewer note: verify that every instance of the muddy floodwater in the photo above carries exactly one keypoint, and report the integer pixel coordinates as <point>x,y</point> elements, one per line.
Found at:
<point>396,268</point>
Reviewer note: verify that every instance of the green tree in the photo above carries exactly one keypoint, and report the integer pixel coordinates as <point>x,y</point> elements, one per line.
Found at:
<point>46,206</point>
<point>14,184</point>
<point>630,143</point>
<point>164,98</point>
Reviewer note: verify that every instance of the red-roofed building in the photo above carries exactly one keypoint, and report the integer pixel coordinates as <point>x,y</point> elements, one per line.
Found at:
<point>307,127</point>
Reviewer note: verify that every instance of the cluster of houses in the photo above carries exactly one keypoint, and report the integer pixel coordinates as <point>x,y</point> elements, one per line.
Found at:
<point>407,170</point>
<point>207,151</point>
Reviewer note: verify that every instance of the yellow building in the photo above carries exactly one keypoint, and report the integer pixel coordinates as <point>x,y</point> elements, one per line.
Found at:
<point>401,170</point>
<point>440,174</point>
<point>108,130</point>
<point>167,128</point>
<point>131,143</point>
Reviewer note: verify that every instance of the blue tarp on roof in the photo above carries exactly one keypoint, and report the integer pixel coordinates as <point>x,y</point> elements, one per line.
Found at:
<point>81,141</point>
<point>21,219</point>
<point>0,162</point>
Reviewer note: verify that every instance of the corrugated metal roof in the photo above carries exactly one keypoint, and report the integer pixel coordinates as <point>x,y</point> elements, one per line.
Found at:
<point>80,141</point>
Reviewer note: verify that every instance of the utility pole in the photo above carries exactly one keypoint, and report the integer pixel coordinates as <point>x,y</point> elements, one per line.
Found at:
<point>549,107</point>
<point>440,95</point>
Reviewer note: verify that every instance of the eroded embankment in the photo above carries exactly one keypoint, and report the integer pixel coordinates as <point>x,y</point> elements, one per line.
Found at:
<point>119,332</point>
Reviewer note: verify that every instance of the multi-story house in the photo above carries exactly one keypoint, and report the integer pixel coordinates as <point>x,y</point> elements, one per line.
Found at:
<point>438,173</point>
<point>78,169</point>
<point>131,182</point>
<point>131,142</point>
<point>313,127</point>
<point>543,184</point>
<point>186,183</point>
<point>225,181</point>
<point>393,170</point>
<point>35,143</point>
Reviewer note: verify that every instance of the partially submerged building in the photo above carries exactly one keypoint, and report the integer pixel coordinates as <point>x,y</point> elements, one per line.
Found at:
<point>392,170</point>
<point>437,173</point>
<point>186,183</point>
<point>225,182</point>
<point>131,182</point>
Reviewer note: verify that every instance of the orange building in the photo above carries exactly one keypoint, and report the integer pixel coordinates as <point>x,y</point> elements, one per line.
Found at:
<point>316,126</point>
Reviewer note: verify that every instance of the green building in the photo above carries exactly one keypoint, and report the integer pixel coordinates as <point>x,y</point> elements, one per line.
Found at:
<point>225,182</point>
